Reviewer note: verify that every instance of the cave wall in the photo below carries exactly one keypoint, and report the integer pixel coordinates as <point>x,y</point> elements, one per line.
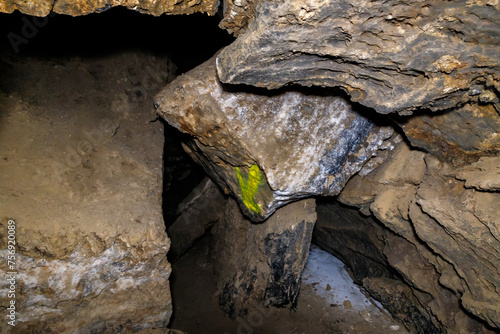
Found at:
<point>81,177</point>
<point>423,227</point>
<point>431,67</point>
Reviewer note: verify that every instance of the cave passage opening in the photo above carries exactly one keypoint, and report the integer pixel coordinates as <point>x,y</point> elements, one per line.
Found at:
<point>186,41</point>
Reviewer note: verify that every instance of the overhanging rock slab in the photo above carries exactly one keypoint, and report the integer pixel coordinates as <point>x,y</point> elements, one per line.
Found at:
<point>269,148</point>
<point>392,56</point>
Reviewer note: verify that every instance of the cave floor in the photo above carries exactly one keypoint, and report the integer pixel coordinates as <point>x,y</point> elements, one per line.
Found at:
<point>323,307</point>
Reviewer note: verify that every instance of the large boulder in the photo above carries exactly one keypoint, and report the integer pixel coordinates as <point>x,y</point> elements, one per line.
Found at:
<point>269,148</point>
<point>261,263</point>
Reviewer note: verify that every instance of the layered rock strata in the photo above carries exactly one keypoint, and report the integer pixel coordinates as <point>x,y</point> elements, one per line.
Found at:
<point>391,56</point>
<point>445,232</point>
<point>81,177</point>
<point>84,7</point>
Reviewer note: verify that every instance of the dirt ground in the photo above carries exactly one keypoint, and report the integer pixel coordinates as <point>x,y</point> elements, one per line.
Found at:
<point>196,309</point>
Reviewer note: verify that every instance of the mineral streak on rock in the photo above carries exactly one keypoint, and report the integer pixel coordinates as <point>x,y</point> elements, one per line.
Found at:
<point>84,7</point>
<point>391,56</point>
<point>269,148</point>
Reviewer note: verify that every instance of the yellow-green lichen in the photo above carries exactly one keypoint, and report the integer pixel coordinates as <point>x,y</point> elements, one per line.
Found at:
<point>249,187</point>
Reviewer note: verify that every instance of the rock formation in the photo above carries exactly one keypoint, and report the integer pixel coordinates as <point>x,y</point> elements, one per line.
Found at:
<point>81,177</point>
<point>269,148</point>
<point>84,7</point>
<point>261,263</point>
<point>197,213</point>
<point>427,239</point>
<point>391,56</point>
<point>436,224</point>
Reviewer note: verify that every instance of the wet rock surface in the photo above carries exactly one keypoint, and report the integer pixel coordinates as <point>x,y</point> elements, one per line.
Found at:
<point>81,176</point>
<point>390,56</point>
<point>269,148</point>
<point>261,263</point>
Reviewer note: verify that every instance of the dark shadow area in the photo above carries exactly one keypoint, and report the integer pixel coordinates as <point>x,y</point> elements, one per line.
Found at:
<point>180,173</point>
<point>188,40</point>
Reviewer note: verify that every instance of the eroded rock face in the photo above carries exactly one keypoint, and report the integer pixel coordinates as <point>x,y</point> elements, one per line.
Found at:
<point>446,232</point>
<point>81,176</point>
<point>84,7</point>
<point>459,136</point>
<point>261,263</point>
<point>390,56</point>
<point>269,148</point>
<point>359,241</point>
<point>237,15</point>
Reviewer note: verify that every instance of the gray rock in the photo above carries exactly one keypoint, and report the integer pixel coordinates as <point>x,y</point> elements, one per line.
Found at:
<point>269,148</point>
<point>198,212</point>
<point>388,55</point>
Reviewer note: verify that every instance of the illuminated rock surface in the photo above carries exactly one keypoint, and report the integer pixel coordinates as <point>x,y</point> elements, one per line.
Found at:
<point>269,148</point>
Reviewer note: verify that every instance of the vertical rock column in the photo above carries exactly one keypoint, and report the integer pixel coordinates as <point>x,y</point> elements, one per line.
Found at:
<point>257,263</point>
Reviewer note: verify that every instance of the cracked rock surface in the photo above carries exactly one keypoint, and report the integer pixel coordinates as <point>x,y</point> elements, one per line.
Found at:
<point>448,219</point>
<point>391,56</point>
<point>84,7</point>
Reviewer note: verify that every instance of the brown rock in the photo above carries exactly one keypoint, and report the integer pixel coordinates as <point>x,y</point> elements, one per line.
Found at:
<point>390,56</point>
<point>444,218</point>
<point>360,242</point>
<point>482,175</point>
<point>449,233</point>
<point>83,185</point>
<point>257,263</point>
<point>459,136</point>
<point>84,7</point>
<point>237,15</point>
